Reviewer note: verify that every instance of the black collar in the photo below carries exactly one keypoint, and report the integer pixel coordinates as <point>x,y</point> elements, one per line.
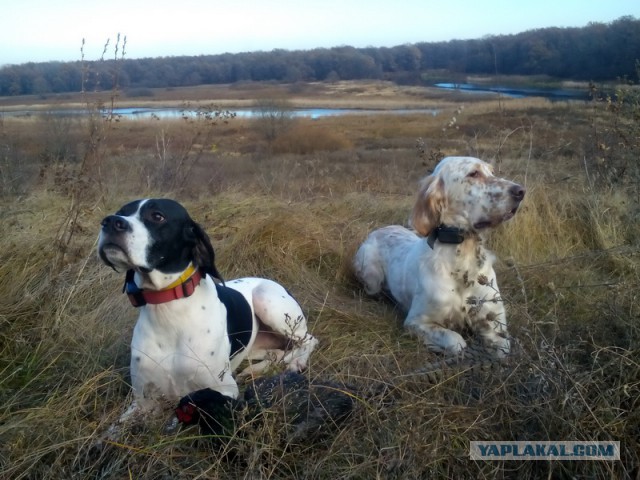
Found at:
<point>444,234</point>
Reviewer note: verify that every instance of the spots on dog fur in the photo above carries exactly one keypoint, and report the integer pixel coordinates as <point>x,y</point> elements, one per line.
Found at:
<point>481,256</point>
<point>488,320</point>
<point>475,305</point>
<point>465,280</point>
<point>472,314</point>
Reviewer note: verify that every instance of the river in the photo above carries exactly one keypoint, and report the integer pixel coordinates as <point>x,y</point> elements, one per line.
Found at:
<point>315,113</point>
<point>554,94</point>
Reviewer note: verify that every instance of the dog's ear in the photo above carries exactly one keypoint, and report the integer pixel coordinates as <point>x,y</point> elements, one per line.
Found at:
<point>202,253</point>
<point>429,205</point>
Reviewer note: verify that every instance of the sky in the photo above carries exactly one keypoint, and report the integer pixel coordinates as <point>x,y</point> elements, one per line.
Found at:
<point>53,30</point>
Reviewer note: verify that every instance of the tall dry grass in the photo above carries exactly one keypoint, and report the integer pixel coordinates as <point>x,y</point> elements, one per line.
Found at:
<point>568,271</point>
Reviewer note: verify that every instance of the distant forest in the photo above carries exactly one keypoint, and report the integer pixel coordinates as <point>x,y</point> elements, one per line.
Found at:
<point>597,52</point>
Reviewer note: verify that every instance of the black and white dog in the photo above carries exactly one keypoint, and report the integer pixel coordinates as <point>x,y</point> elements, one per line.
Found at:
<point>194,330</point>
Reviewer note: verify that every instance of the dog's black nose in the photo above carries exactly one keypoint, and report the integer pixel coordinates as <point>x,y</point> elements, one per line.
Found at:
<point>517,192</point>
<point>115,224</point>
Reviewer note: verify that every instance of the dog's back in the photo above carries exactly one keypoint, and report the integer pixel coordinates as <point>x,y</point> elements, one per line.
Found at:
<point>382,256</point>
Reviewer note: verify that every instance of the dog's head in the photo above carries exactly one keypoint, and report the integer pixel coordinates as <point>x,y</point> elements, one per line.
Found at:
<point>155,235</point>
<point>463,192</point>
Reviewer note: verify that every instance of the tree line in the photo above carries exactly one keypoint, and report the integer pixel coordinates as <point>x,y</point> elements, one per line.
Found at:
<point>596,52</point>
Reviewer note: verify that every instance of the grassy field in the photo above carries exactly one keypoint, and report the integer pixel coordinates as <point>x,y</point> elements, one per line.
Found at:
<point>294,206</point>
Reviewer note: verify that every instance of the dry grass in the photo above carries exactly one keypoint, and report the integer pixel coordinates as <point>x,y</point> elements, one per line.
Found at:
<point>568,271</point>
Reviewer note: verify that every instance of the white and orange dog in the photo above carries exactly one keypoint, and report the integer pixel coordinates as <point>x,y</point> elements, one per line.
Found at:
<point>193,330</point>
<point>442,275</point>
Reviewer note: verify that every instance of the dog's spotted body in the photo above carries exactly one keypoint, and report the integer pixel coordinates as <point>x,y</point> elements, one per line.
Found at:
<point>197,340</point>
<point>441,274</point>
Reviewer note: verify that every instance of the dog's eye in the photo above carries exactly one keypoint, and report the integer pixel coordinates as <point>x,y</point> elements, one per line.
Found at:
<point>157,217</point>
<point>474,174</point>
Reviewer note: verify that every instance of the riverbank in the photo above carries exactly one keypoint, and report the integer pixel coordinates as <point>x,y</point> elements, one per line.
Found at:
<point>353,94</point>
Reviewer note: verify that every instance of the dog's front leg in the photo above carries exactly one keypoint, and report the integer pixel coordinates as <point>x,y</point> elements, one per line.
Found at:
<point>131,417</point>
<point>435,337</point>
<point>113,434</point>
<point>493,329</point>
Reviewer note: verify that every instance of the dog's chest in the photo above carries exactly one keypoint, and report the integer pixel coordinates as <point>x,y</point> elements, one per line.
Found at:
<point>471,268</point>
<point>180,346</point>
<point>475,288</point>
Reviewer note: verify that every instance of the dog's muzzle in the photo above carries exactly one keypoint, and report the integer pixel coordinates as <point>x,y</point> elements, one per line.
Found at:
<point>111,246</point>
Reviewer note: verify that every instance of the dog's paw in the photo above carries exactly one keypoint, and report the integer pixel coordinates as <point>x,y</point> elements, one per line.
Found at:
<point>298,358</point>
<point>447,342</point>
<point>297,365</point>
<point>500,346</point>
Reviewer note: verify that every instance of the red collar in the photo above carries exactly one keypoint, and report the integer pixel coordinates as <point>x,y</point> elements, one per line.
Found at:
<point>139,297</point>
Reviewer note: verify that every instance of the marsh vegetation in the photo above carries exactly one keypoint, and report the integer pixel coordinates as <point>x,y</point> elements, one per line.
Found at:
<point>292,203</point>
